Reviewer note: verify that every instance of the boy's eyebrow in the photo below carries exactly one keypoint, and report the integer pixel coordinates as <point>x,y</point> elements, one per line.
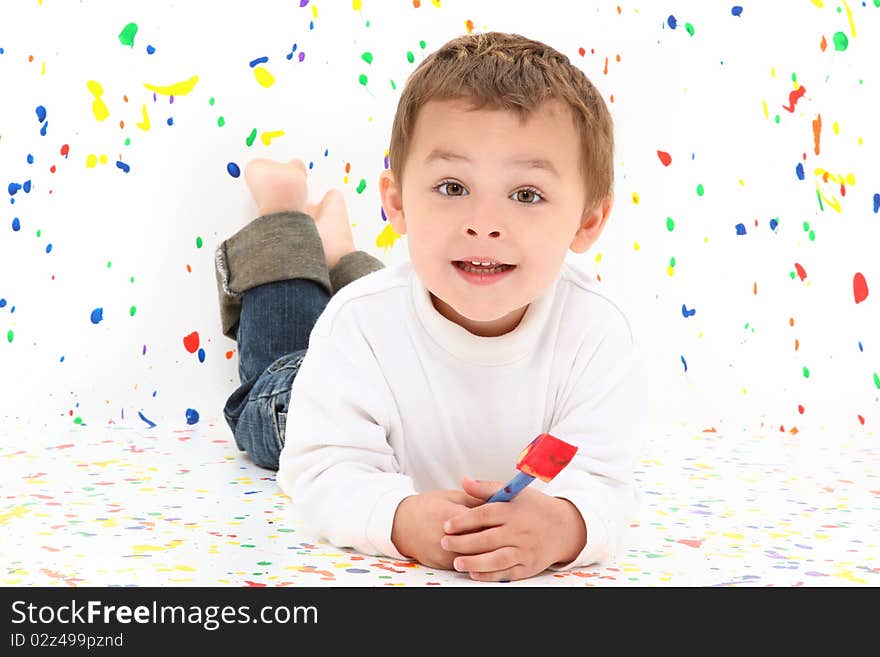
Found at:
<point>531,163</point>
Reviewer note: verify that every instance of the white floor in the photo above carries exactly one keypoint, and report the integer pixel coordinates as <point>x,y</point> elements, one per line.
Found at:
<point>114,506</point>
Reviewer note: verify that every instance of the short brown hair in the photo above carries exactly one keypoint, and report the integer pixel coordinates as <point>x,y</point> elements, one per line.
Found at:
<point>500,71</point>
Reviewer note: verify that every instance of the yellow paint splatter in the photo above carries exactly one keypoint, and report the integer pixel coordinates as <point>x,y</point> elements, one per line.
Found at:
<point>636,246</point>
<point>436,3</point>
<point>267,137</point>
<point>852,25</point>
<point>670,270</point>
<point>91,161</point>
<point>636,198</point>
<point>836,127</point>
<point>145,124</point>
<point>766,113</point>
<point>356,5</point>
<point>264,78</point>
<point>386,239</point>
<point>598,258</point>
<point>99,109</point>
<point>314,11</point>
<point>176,89</point>
<point>14,512</point>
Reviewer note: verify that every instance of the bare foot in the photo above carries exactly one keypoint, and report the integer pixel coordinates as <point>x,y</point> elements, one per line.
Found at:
<point>334,226</point>
<point>277,186</point>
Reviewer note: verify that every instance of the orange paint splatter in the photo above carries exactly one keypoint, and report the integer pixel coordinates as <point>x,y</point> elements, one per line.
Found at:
<point>817,129</point>
<point>823,44</point>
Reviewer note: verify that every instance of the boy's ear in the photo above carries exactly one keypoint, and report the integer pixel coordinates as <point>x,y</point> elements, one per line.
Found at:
<point>392,201</point>
<point>592,223</point>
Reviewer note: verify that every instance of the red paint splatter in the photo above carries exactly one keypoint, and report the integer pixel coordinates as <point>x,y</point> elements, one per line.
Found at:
<point>665,158</point>
<point>581,52</point>
<point>794,97</point>
<point>254,584</point>
<point>191,342</point>
<point>862,420</point>
<point>229,354</point>
<point>691,543</point>
<point>860,287</point>
<point>800,409</point>
<point>801,272</point>
<point>65,150</point>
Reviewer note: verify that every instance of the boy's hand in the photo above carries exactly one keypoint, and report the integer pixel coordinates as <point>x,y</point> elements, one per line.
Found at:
<point>418,525</point>
<point>505,541</point>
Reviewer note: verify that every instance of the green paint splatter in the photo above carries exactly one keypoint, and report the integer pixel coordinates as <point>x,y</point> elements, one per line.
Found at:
<point>109,264</point>
<point>670,224</point>
<point>132,279</point>
<point>126,37</point>
<point>393,86</point>
<point>250,139</point>
<point>812,235</point>
<point>264,563</point>
<point>792,274</point>
<point>362,185</point>
<point>199,242</point>
<point>672,261</point>
<point>221,121</point>
<point>127,141</point>
<point>10,335</point>
<point>700,189</point>
<point>806,372</point>
<point>410,57</point>
<point>841,43</point>
<point>422,45</point>
<point>367,57</point>
<point>211,101</point>
<point>77,420</point>
<point>689,28</point>
<point>794,77</point>
<point>821,205</point>
<point>362,79</point>
<point>247,545</point>
<point>38,232</point>
<point>777,119</point>
<point>132,311</point>
<point>876,376</point>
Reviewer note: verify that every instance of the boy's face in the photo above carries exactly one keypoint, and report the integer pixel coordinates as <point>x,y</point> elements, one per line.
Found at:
<point>481,185</point>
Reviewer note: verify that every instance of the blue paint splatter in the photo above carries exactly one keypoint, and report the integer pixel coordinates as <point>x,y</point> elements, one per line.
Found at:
<point>736,10</point>
<point>356,570</point>
<point>3,303</point>
<point>876,203</point>
<point>43,129</point>
<point>13,188</point>
<point>740,229</point>
<point>290,54</point>
<point>97,315</point>
<point>233,169</point>
<point>16,224</point>
<point>192,416</point>
<point>201,355</point>
<point>150,422</point>
<point>41,113</point>
<point>799,170</point>
<point>259,60</point>
<point>170,120</point>
<point>30,159</point>
<point>860,346</point>
<point>773,224</point>
<point>686,312</point>
<point>672,22</point>
<point>27,187</point>
<point>49,248</point>
<point>122,165</point>
<point>150,50</point>
<point>684,362</point>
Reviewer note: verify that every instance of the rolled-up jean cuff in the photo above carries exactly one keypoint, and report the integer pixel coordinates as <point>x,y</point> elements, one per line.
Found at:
<point>352,266</point>
<point>273,247</point>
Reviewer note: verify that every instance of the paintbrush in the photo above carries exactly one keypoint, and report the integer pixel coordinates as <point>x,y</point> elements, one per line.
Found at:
<point>543,458</point>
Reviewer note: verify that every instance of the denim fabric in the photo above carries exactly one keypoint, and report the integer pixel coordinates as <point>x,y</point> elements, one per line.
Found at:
<point>272,335</point>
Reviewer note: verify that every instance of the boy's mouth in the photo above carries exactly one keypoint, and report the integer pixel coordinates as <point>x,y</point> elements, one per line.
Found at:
<point>490,267</point>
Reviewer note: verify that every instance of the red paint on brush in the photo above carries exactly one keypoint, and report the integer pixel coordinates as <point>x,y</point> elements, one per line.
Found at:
<point>545,456</point>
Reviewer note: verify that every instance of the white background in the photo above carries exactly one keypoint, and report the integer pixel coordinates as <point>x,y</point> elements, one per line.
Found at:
<point>700,98</point>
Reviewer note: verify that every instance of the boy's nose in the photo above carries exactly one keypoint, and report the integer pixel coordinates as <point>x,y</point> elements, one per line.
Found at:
<point>477,233</point>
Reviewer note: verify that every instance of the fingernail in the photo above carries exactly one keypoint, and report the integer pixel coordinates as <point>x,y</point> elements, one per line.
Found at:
<point>447,526</point>
<point>444,543</point>
<point>457,564</point>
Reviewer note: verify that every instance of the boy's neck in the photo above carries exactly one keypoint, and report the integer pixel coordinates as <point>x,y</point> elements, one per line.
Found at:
<point>491,329</point>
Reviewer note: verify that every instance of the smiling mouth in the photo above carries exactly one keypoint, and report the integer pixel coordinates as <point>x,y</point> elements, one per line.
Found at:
<point>479,269</point>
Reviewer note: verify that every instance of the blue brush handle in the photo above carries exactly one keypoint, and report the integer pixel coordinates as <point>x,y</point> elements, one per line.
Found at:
<point>512,488</point>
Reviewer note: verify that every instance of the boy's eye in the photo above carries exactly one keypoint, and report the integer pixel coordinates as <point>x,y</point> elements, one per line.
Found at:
<point>526,195</point>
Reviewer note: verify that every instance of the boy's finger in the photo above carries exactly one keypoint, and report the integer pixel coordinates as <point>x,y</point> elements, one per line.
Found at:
<point>300,164</point>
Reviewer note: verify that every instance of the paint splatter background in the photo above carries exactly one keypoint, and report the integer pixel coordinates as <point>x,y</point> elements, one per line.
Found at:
<point>743,245</point>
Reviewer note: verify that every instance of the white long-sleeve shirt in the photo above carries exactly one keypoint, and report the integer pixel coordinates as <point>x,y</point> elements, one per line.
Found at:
<point>393,399</point>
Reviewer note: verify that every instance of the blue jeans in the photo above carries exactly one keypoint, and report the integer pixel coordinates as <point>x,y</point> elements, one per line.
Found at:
<point>272,336</point>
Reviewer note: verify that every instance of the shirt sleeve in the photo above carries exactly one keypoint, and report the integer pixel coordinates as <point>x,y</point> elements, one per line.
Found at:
<point>601,413</point>
<point>337,466</point>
